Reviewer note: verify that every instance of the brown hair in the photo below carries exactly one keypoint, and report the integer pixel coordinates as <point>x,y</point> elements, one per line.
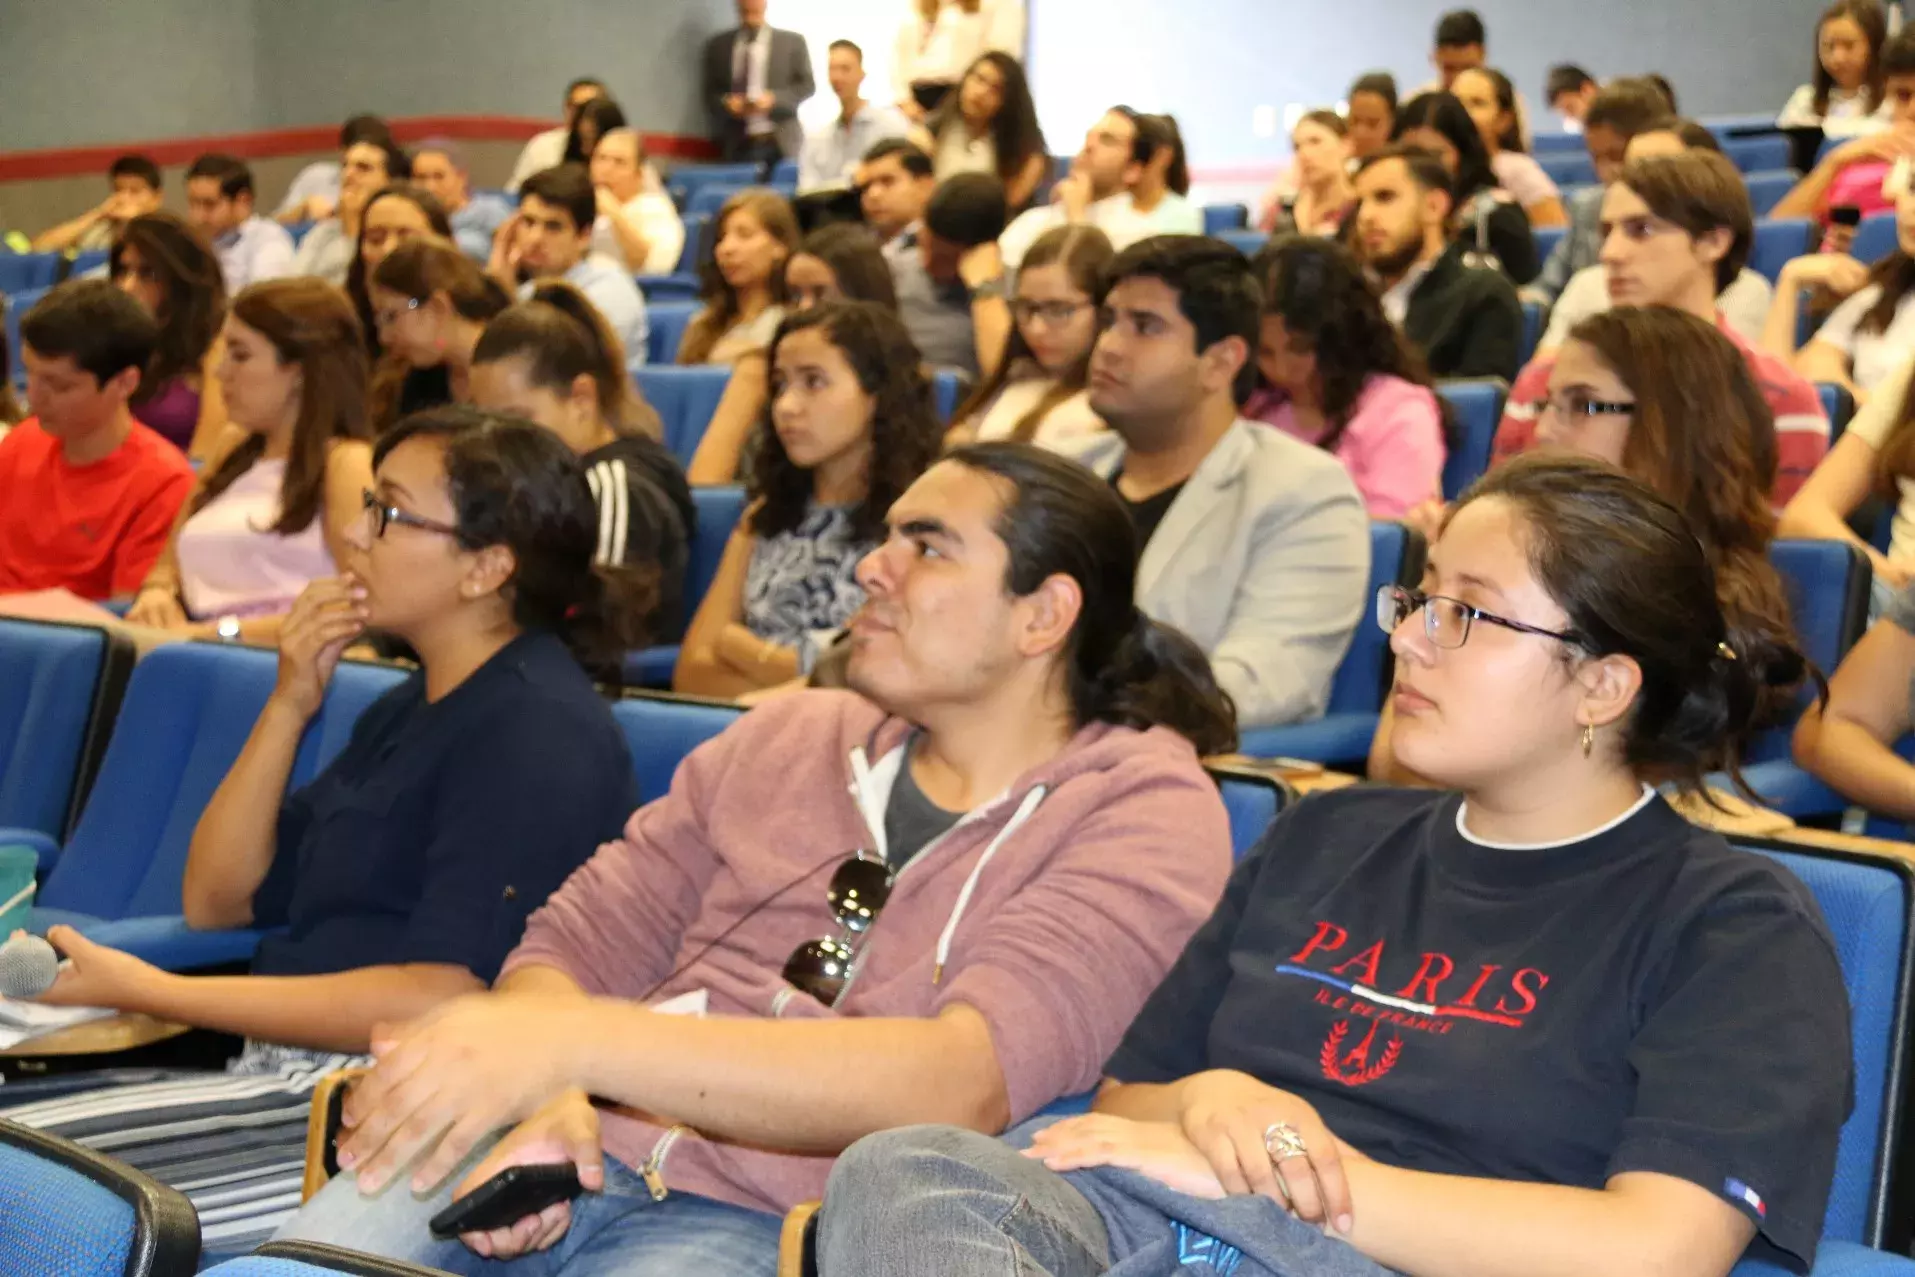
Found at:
<point>418,269</point>
<point>561,334</point>
<point>1699,191</point>
<point>721,300</point>
<point>309,323</point>
<point>192,296</point>
<point>1870,16</point>
<point>1084,252</point>
<point>1703,437</point>
<point>1324,119</point>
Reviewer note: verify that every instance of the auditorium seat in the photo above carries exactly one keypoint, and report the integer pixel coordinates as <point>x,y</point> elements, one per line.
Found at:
<point>1767,188</point>
<point>1569,168</point>
<point>1875,239</point>
<point>1556,143</point>
<point>1219,218</point>
<point>188,709</point>
<point>784,173</point>
<point>948,387</point>
<point>1535,323</point>
<point>84,263</point>
<point>685,397</point>
<point>696,249</point>
<point>1252,799</point>
<point>668,322</point>
<point>711,197</point>
<point>1547,237</point>
<point>1764,154</point>
<point>60,688</point>
<point>298,231</point>
<point>1248,242</point>
<point>20,272</point>
<point>18,304</point>
<point>719,509</point>
<point>676,287</point>
<point>1828,590</point>
<point>1478,409</point>
<point>315,1259</point>
<point>1866,902</point>
<point>1838,405</point>
<point>660,729</point>
<point>66,1211</point>
<point>1778,241</point>
<point>1342,735</point>
<point>686,180</point>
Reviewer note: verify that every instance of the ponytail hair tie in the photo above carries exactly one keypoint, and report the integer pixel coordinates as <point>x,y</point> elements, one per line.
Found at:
<point>1726,652</point>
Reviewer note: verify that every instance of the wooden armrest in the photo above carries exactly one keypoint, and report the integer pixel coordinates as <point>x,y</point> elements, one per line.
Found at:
<point>322,1124</point>
<point>792,1249</point>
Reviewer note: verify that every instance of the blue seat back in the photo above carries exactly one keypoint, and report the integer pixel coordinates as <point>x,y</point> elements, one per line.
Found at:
<point>1764,154</point>
<point>1251,800</point>
<point>686,180</point>
<point>784,173</point>
<point>1396,553</point>
<point>719,509</point>
<point>1875,239</point>
<point>1535,322</point>
<point>667,288</point>
<point>1248,242</point>
<point>60,686</point>
<point>686,399</point>
<point>661,729</point>
<point>668,323</point>
<point>947,389</point>
<point>20,272</point>
<point>1219,218</point>
<point>711,197</point>
<point>1547,237</point>
<point>695,249</point>
<point>1555,143</point>
<point>1766,189</point>
<point>299,231</point>
<point>1568,168</point>
<point>1778,240</point>
<point>1828,586</point>
<point>188,710</point>
<point>1838,405</point>
<point>1478,408</point>
<point>1865,900</point>
<point>67,1210</point>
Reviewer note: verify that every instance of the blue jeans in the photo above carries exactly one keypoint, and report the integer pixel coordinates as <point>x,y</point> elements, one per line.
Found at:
<point>620,1232</point>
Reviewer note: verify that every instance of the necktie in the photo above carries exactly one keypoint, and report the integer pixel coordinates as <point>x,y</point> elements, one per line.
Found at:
<point>741,62</point>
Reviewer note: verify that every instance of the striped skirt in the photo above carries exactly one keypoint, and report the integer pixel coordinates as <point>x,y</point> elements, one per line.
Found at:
<point>233,1142</point>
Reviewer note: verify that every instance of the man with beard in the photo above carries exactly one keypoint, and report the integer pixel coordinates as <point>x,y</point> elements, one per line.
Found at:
<point>1465,320</point>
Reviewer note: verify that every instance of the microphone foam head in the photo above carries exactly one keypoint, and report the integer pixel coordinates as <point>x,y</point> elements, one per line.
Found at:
<point>28,967</point>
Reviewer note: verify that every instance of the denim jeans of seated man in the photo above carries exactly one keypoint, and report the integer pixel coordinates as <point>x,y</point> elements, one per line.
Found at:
<point>620,1232</point>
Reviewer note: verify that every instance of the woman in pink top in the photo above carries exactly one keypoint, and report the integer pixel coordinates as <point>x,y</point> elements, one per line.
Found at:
<point>286,478</point>
<point>1336,373</point>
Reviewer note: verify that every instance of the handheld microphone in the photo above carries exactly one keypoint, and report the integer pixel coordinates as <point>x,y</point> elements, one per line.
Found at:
<point>28,966</point>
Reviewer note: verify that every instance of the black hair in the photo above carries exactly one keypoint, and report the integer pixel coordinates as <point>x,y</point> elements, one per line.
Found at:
<point>140,166</point>
<point>853,254</point>
<point>232,174</point>
<point>1318,289</point>
<point>517,485</point>
<point>192,295</point>
<point>910,156</point>
<point>1693,135</point>
<point>1627,107</point>
<point>1459,28</point>
<point>1154,133</point>
<point>1627,570</point>
<point>1898,55</point>
<point>1441,111</point>
<point>398,161</point>
<point>364,128</point>
<point>1565,77</point>
<point>1425,169</point>
<point>357,285</point>
<point>1511,138</point>
<point>1015,133</point>
<point>561,335</point>
<point>605,115</point>
<point>967,209</point>
<point>93,323</point>
<point>845,44</point>
<point>584,81</point>
<point>905,432</point>
<point>566,186</point>
<point>1381,83</point>
<point>1666,89</point>
<point>1123,667</point>
<point>1215,288</point>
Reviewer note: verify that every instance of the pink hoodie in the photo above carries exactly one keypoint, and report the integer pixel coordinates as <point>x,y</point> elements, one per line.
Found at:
<point>1058,906</point>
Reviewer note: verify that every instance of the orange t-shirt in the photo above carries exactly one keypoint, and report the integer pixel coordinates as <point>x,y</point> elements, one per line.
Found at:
<point>93,529</point>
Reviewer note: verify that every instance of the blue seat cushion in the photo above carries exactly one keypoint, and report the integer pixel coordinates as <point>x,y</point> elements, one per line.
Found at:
<point>651,666</point>
<point>163,940</point>
<point>1835,1259</point>
<point>44,847</point>
<point>1334,738</point>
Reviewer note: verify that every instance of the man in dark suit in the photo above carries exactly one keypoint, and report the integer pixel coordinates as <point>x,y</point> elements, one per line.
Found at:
<point>755,79</point>
<point>1464,317</point>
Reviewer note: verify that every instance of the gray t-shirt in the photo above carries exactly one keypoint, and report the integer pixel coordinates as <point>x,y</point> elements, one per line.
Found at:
<point>938,316</point>
<point>912,821</point>
<point>1901,610</point>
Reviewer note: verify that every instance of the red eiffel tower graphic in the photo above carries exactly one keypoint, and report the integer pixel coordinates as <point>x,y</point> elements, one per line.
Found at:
<point>1354,1068</point>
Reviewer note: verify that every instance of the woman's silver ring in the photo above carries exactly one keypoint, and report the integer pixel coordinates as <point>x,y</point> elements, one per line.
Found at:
<point>1283,1142</point>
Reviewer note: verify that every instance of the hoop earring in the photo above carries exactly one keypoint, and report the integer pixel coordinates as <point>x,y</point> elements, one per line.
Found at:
<point>1589,738</point>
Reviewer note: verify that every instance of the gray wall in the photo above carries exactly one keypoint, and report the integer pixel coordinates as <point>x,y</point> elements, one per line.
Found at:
<point>1214,62</point>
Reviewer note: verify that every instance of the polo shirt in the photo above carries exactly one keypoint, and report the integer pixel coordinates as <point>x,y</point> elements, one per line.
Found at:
<point>609,286</point>
<point>94,529</point>
<point>833,150</point>
<point>442,826</point>
<point>938,316</point>
<point>1801,427</point>
<point>254,250</point>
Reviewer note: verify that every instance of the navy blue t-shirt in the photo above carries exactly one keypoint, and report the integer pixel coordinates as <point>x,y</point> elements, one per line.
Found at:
<point>1644,999</point>
<point>441,827</point>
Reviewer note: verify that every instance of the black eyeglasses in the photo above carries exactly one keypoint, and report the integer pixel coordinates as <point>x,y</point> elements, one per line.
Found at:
<point>1052,313</point>
<point>384,516</point>
<point>857,894</point>
<point>1446,621</point>
<point>1578,404</point>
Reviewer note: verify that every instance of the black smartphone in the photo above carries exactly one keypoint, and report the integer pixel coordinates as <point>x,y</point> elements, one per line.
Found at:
<point>507,1198</point>
<point>1845,215</point>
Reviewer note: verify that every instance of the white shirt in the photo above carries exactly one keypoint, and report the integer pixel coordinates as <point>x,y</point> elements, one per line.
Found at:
<point>959,152</point>
<point>1872,356</point>
<point>1070,419</point>
<point>942,50</point>
<point>1744,305</point>
<point>657,217</point>
<point>1396,298</point>
<point>832,152</point>
<point>1116,216</point>
<point>256,249</point>
<point>1847,115</point>
<point>752,47</point>
<point>545,150</point>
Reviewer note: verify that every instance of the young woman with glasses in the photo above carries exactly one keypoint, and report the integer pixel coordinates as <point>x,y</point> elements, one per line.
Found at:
<point>1037,395</point>
<point>402,874</point>
<point>1666,398</point>
<point>1536,1023</point>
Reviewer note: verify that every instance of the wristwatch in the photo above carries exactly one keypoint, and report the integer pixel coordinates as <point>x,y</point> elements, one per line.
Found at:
<point>989,290</point>
<point>227,627</point>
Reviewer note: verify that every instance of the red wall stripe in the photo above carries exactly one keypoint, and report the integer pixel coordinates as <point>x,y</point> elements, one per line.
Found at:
<point>83,161</point>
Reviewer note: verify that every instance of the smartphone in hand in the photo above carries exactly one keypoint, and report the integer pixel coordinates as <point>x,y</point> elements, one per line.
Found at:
<point>507,1198</point>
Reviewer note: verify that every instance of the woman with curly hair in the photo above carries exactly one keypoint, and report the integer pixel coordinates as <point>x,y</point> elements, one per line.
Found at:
<point>850,427</point>
<point>168,268</point>
<point>1336,373</point>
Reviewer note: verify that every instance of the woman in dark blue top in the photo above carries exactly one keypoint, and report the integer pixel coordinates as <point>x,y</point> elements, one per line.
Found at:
<point>404,873</point>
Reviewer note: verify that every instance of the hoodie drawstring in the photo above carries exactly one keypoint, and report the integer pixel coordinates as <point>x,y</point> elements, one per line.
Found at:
<point>1023,813</point>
